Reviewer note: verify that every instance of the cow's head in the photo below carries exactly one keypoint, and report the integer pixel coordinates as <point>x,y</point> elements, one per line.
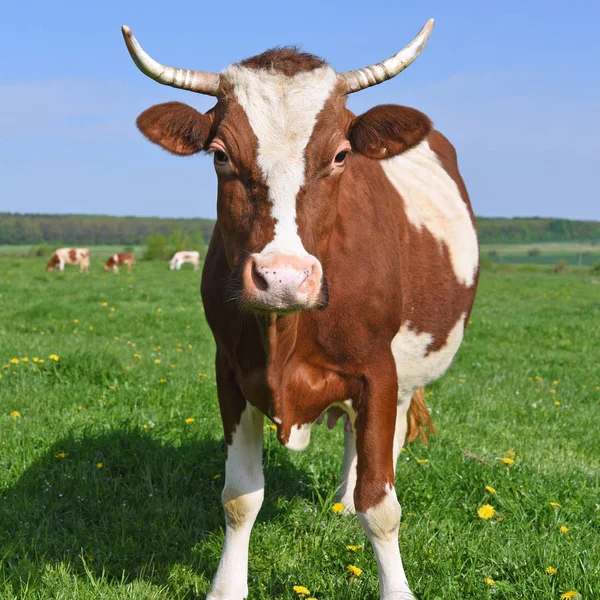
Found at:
<point>281,139</point>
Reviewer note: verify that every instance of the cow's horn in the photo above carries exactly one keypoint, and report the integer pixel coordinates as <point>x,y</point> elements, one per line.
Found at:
<point>368,76</point>
<point>203,82</point>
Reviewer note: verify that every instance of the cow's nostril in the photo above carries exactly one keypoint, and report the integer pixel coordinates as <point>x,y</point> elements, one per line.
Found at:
<point>258,280</point>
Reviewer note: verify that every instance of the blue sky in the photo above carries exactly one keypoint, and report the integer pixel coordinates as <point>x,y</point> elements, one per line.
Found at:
<point>514,86</point>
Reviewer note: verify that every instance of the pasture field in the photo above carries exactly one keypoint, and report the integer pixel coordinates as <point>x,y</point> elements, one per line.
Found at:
<point>112,457</point>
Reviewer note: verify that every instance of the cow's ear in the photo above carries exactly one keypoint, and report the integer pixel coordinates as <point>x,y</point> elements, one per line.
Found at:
<point>387,130</point>
<point>176,127</point>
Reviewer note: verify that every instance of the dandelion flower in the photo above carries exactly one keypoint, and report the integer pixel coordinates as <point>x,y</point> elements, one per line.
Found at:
<point>486,511</point>
<point>490,489</point>
<point>218,476</point>
<point>162,381</point>
<point>300,589</point>
<point>61,454</point>
<point>422,461</point>
<point>75,320</point>
<point>14,361</point>
<point>551,570</point>
<point>99,465</point>
<point>354,548</point>
<point>273,427</point>
<point>489,581</point>
<point>25,359</point>
<point>36,359</point>
<point>159,310</point>
<point>189,420</point>
<point>338,507</point>
<point>41,361</point>
<point>157,361</point>
<point>555,504</point>
<point>511,453</point>
<point>507,461</point>
<point>354,570</point>
<point>104,304</point>
<point>202,374</point>
<point>190,346</point>
<point>564,529</point>
<point>54,357</point>
<point>138,356</point>
<point>81,408</point>
<point>568,595</point>
<point>145,426</point>
<point>15,414</point>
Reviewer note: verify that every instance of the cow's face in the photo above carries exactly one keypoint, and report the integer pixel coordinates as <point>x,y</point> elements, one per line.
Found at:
<point>281,140</point>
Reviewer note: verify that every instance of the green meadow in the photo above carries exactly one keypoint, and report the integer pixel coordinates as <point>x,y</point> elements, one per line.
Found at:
<point>112,454</point>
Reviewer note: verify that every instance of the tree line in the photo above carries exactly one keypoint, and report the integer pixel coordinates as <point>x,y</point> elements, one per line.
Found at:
<point>92,230</point>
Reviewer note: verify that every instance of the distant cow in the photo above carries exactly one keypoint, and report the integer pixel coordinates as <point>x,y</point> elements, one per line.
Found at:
<point>120,259</point>
<point>185,256</point>
<point>70,256</point>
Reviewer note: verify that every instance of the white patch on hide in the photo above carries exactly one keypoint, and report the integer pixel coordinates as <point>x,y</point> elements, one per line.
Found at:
<point>432,200</point>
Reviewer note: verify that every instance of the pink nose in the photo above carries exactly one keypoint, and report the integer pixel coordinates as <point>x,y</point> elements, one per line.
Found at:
<point>282,282</point>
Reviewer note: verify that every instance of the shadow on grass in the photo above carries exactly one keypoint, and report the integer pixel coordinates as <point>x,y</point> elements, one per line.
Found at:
<point>124,505</point>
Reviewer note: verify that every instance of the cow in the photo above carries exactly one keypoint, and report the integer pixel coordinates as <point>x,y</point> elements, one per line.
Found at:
<point>191,257</point>
<point>70,256</point>
<point>340,276</point>
<point>120,259</point>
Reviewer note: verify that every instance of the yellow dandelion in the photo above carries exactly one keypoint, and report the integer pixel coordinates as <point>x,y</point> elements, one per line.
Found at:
<point>500,519</point>
<point>14,361</point>
<point>489,581</point>
<point>300,589</point>
<point>507,461</point>
<point>538,378</point>
<point>190,346</point>
<point>145,426</point>
<point>555,504</point>
<point>25,359</point>
<point>555,382</point>
<point>6,367</point>
<point>490,389</point>
<point>116,338</point>
<point>564,529</point>
<point>91,328</point>
<point>486,511</point>
<point>81,408</point>
<point>490,489</point>
<point>202,374</point>
<point>451,378</point>
<point>354,548</point>
<point>75,320</point>
<point>218,476</point>
<point>159,310</point>
<point>162,381</point>
<point>41,361</point>
<point>15,414</point>
<point>551,570</point>
<point>54,357</point>
<point>337,508</point>
<point>422,461</point>
<point>157,361</point>
<point>104,304</point>
<point>138,356</point>
<point>311,599</point>
<point>462,381</point>
<point>511,453</point>
<point>273,427</point>
<point>190,420</point>
<point>36,359</point>
<point>354,570</point>
<point>568,595</point>
<point>99,465</point>
<point>61,454</point>
<point>112,309</point>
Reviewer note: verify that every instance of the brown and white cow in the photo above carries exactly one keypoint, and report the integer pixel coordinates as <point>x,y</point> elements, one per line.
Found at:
<point>70,256</point>
<point>340,276</point>
<point>183,257</point>
<point>120,259</point>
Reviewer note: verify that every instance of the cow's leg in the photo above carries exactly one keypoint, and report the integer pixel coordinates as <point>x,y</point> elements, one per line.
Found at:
<point>401,424</point>
<point>348,480</point>
<point>244,488</point>
<point>115,268</point>
<point>375,496</point>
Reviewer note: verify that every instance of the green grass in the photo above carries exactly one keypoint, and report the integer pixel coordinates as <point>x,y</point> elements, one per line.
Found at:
<point>148,522</point>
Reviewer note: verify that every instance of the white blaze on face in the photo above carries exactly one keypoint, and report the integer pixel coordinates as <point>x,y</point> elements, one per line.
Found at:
<point>432,200</point>
<point>282,112</point>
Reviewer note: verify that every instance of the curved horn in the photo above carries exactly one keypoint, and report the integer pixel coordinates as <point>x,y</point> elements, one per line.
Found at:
<point>368,76</point>
<point>203,82</point>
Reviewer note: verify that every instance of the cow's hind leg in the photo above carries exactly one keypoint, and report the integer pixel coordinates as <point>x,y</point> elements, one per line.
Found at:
<point>348,480</point>
<point>375,498</point>
<point>243,492</point>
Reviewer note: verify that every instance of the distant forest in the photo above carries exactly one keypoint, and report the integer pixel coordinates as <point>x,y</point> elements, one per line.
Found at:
<point>93,230</point>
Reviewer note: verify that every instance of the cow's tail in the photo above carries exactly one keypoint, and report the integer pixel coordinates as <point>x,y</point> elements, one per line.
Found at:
<point>419,419</point>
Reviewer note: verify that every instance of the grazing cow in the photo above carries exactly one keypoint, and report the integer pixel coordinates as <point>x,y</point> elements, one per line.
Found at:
<point>120,259</point>
<point>341,274</point>
<point>185,256</point>
<point>70,256</point>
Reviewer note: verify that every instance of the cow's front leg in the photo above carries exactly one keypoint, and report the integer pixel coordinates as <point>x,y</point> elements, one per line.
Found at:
<point>243,492</point>
<point>377,507</point>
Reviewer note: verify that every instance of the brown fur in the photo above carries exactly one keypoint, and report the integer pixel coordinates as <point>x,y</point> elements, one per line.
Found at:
<point>287,60</point>
<point>177,127</point>
<point>54,261</point>
<point>388,130</point>
<point>419,419</point>
<point>122,259</point>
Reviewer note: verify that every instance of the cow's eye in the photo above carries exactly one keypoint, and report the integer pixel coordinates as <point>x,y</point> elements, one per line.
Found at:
<point>221,158</point>
<point>340,157</point>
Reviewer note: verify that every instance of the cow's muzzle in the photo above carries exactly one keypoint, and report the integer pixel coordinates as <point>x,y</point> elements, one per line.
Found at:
<point>279,283</point>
